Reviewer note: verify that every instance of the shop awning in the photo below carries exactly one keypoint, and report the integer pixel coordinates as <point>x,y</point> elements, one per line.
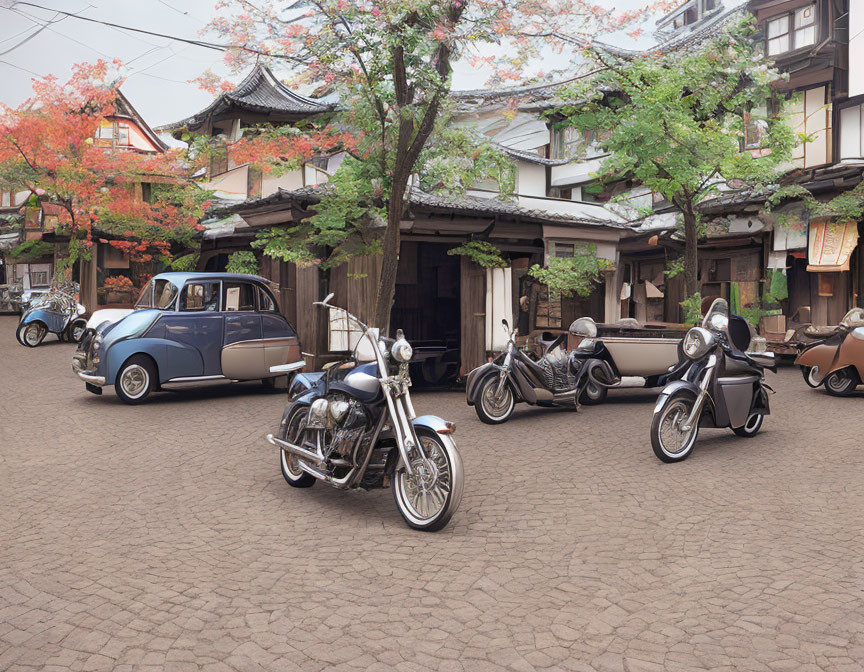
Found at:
<point>830,244</point>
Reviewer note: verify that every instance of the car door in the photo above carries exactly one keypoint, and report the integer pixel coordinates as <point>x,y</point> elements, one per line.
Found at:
<point>194,332</point>
<point>242,355</point>
<point>281,345</point>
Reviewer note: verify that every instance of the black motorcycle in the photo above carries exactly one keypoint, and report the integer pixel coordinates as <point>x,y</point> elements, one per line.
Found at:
<point>353,426</point>
<point>560,378</point>
<point>724,386</point>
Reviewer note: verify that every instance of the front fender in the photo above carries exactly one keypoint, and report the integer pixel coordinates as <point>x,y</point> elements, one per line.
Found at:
<point>476,377</point>
<point>672,388</point>
<point>433,422</point>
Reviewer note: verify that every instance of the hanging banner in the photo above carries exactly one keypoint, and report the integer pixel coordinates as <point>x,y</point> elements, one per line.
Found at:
<point>830,245</point>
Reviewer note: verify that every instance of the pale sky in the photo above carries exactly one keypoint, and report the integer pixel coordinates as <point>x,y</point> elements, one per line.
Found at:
<point>157,70</point>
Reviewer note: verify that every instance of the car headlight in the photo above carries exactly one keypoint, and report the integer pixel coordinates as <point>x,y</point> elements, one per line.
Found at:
<point>586,344</point>
<point>698,342</point>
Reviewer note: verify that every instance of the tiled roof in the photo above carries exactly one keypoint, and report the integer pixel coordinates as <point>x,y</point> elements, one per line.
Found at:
<point>465,205</point>
<point>708,27</point>
<point>531,157</point>
<point>261,92</point>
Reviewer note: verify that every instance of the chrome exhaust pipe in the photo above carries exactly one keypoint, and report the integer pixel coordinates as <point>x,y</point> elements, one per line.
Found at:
<point>317,458</point>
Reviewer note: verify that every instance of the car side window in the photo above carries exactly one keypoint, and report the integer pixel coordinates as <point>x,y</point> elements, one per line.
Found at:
<point>276,326</point>
<point>200,296</point>
<point>265,302</point>
<point>238,296</point>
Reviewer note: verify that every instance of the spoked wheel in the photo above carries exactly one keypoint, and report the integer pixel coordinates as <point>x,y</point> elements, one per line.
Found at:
<point>292,432</point>
<point>751,427</point>
<point>671,443</point>
<point>429,497</point>
<point>32,334</point>
<point>493,407</point>
<point>841,383</point>
<point>809,374</point>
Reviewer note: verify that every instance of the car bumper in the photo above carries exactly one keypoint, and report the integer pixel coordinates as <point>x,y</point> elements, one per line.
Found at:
<point>88,378</point>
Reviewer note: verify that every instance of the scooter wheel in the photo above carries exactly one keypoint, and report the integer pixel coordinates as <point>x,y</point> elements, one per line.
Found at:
<point>807,372</point>
<point>669,442</point>
<point>31,334</point>
<point>751,427</point>
<point>841,383</point>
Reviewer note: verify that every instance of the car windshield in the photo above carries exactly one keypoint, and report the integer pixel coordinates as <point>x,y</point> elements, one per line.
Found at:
<point>159,294</point>
<point>717,316</point>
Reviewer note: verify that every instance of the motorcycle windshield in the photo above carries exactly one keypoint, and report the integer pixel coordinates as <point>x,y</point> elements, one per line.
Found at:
<point>717,317</point>
<point>854,318</point>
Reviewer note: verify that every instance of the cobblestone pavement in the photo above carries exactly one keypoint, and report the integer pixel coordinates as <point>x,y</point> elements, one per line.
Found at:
<point>163,537</point>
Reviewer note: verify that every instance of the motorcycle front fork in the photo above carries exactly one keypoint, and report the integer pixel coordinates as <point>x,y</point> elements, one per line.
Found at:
<point>693,418</point>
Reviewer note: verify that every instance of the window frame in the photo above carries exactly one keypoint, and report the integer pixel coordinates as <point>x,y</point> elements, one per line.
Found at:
<point>792,31</point>
<point>180,297</point>
<point>223,296</point>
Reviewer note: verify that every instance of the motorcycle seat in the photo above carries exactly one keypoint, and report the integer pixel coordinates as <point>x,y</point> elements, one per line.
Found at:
<point>820,332</point>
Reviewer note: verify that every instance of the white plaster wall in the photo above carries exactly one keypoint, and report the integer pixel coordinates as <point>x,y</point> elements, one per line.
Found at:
<point>531,179</point>
<point>291,180</point>
<point>856,48</point>
<point>850,132</point>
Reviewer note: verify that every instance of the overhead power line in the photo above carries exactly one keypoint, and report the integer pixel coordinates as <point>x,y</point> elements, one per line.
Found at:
<point>198,43</point>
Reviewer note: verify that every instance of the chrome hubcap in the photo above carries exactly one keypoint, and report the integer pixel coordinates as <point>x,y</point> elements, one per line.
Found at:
<point>425,492</point>
<point>496,406</point>
<point>752,422</point>
<point>32,335</point>
<point>673,438</point>
<point>838,380</point>
<point>134,380</point>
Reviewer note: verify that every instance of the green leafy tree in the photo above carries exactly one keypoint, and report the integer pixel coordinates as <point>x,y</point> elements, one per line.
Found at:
<point>578,274</point>
<point>390,62</point>
<point>674,122</point>
<point>242,262</point>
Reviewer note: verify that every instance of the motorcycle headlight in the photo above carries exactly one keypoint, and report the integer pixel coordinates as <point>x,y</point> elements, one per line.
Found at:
<point>698,342</point>
<point>719,322</point>
<point>402,351</point>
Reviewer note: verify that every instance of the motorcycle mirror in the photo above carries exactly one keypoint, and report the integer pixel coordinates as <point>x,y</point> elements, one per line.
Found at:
<point>506,325</point>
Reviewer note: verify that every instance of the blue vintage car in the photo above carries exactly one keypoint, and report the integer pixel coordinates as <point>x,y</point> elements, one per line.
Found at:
<point>189,327</point>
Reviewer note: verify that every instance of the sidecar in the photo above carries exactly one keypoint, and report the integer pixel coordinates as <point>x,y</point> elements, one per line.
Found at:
<point>56,315</point>
<point>627,354</point>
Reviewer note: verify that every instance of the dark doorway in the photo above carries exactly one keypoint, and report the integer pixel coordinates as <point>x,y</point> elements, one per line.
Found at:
<point>426,308</point>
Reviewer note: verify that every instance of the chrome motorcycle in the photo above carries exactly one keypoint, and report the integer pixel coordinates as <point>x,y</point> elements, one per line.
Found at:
<point>353,426</point>
<point>58,312</point>
<point>724,386</point>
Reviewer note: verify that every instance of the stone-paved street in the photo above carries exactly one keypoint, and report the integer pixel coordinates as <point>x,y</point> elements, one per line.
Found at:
<point>163,537</point>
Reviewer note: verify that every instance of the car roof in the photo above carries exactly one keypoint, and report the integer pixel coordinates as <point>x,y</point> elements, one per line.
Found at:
<point>180,278</point>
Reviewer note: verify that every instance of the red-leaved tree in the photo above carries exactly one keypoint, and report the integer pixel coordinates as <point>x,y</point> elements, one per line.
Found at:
<point>49,147</point>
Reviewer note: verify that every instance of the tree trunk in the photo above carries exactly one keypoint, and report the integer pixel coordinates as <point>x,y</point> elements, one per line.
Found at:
<point>691,258</point>
<point>390,260</point>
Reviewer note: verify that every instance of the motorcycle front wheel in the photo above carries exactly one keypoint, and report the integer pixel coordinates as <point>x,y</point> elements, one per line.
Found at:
<point>670,442</point>
<point>292,431</point>
<point>429,497</point>
<point>492,408</point>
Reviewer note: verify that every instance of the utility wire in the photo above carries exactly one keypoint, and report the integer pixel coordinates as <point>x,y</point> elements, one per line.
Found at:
<point>197,43</point>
